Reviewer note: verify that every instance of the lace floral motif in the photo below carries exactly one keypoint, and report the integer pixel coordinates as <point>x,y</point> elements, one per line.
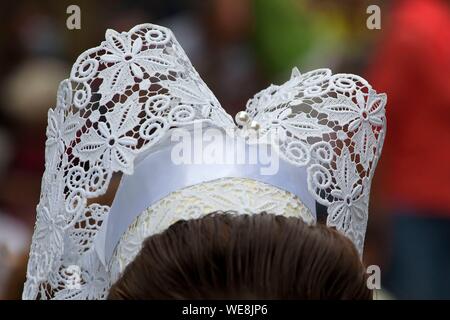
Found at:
<point>120,99</point>
<point>334,125</point>
<point>124,96</point>
<point>110,141</point>
<point>128,58</point>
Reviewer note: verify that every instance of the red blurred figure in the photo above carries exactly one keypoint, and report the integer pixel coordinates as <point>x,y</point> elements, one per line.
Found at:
<point>412,65</point>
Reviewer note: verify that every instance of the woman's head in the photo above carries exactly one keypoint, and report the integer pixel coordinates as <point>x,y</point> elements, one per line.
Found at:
<point>231,256</point>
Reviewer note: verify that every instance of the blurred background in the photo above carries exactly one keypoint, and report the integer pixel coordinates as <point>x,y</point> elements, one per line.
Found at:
<point>239,47</point>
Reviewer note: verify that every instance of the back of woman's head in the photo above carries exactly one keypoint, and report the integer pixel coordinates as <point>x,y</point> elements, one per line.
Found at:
<point>230,256</point>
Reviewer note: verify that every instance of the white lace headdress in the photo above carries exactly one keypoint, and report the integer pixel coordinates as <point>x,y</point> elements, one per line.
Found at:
<point>114,114</point>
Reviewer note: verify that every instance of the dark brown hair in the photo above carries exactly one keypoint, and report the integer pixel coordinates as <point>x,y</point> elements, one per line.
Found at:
<point>230,256</point>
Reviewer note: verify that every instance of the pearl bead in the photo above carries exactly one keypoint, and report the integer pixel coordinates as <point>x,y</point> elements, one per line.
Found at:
<point>255,125</point>
<point>242,118</point>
